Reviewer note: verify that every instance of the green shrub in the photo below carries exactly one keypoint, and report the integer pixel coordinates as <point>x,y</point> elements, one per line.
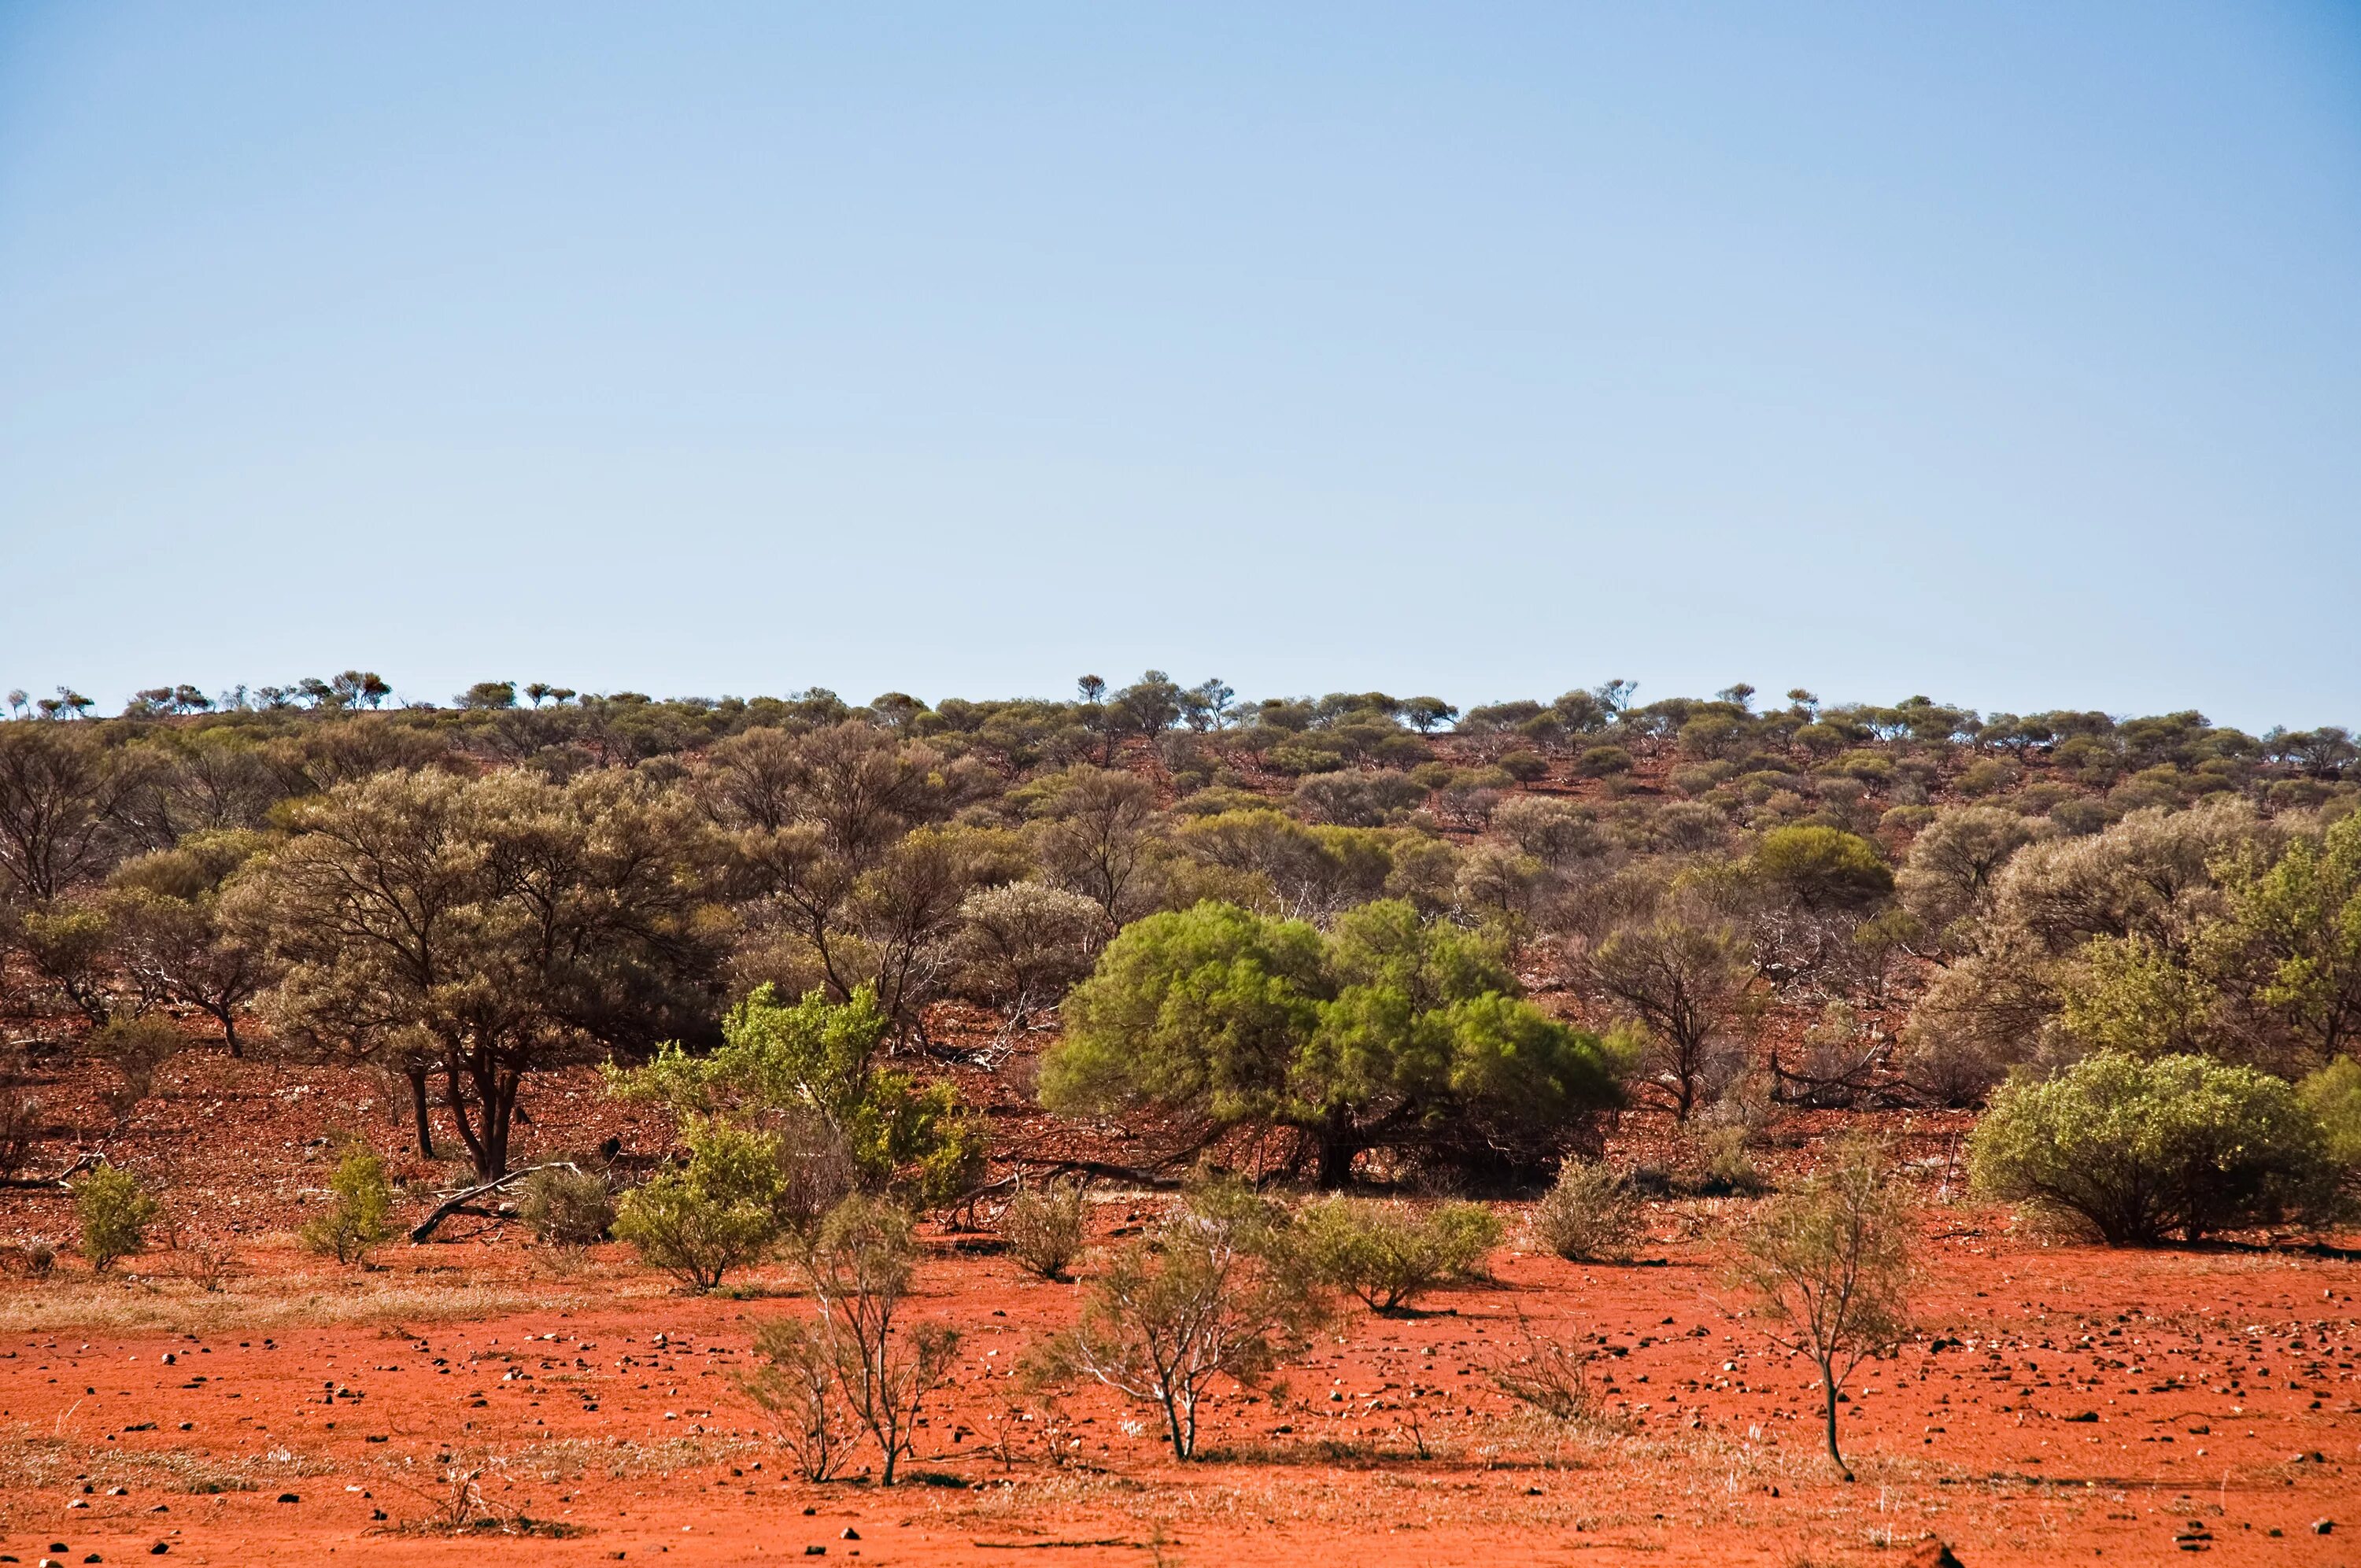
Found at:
<point>568,1208</point>
<point>1043,1227</point>
<point>2333,1095</point>
<point>1590,1215</point>
<point>1391,1254</point>
<point>364,1206</point>
<point>1525,767</point>
<point>2143,1149</point>
<point>116,1212</point>
<point>725,1209</point>
<point>1600,762</point>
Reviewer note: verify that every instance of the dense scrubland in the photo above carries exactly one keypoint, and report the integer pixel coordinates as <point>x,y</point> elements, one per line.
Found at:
<point>1210,1043</point>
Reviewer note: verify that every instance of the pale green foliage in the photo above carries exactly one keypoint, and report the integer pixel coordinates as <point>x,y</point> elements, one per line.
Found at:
<point>817,1061</point>
<point>2144,1149</point>
<point>2298,921</point>
<point>1589,1215</point>
<point>1830,1265</point>
<point>1391,1254</point>
<point>115,1212</point>
<point>361,1217</point>
<point>726,1208</point>
<point>2134,997</point>
<point>2333,1095</point>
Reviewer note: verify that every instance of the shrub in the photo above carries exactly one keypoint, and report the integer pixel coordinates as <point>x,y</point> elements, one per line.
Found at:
<point>2144,1148</point>
<point>20,1116</point>
<point>1723,1164</point>
<point>1600,762</point>
<point>1590,1215</point>
<point>2333,1095</point>
<point>1043,1227</point>
<point>1524,767</point>
<point>1548,1376</point>
<point>568,1208</point>
<point>859,1262</point>
<point>135,1047</point>
<point>796,1385</point>
<point>364,1204</point>
<point>1216,1292</point>
<point>40,1257</point>
<point>725,1209</point>
<point>1390,1254</point>
<point>1830,1266</point>
<point>116,1212</point>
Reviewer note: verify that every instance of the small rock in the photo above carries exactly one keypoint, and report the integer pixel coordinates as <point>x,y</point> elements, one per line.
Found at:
<point>289,1498</point>
<point>160,1548</point>
<point>849,1534</point>
<point>2322,1526</point>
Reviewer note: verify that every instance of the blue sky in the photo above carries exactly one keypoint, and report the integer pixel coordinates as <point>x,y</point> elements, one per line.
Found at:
<point>2010,353</point>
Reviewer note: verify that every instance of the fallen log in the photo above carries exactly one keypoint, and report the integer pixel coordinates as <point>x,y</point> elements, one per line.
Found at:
<point>19,1183</point>
<point>459,1200</point>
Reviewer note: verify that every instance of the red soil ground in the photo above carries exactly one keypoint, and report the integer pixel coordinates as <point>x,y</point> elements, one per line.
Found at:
<point>2059,1403</point>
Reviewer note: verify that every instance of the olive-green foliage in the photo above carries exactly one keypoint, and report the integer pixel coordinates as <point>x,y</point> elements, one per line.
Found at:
<point>2294,926</point>
<point>818,1059</point>
<point>723,1210</point>
<point>1391,1254</point>
<point>115,1212</point>
<point>1387,1031</point>
<point>1821,868</point>
<point>359,1220</point>
<point>2333,1095</point>
<point>1043,1226</point>
<point>1591,1214</point>
<point>568,1208</point>
<point>2144,1149</point>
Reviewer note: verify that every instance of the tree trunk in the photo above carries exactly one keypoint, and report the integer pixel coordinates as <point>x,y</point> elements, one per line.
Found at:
<point>416,1072</point>
<point>1829,1388</point>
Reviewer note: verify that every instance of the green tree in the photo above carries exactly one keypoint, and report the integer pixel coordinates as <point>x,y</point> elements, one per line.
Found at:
<point>1389,1033</point>
<point>817,1062</point>
<point>486,928</point>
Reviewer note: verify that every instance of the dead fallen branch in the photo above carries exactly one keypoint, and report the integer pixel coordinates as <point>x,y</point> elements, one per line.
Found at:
<point>459,1200</point>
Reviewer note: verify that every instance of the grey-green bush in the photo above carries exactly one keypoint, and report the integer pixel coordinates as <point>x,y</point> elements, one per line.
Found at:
<point>1043,1227</point>
<point>1391,1254</point>
<point>568,1208</point>
<point>1591,1215</point>
<point>2143,1150</point>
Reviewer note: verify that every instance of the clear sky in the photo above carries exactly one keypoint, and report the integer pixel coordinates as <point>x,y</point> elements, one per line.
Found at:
<point>2005,353</point>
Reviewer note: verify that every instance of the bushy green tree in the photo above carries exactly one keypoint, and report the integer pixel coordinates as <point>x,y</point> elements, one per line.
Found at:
<point>1388,1032</point>
<point>2145,1150</point>
<point>817,1061</point>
